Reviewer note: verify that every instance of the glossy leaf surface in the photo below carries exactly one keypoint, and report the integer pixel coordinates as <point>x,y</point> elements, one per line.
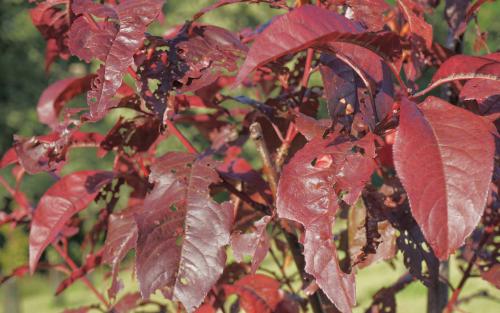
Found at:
<point>443,156</point>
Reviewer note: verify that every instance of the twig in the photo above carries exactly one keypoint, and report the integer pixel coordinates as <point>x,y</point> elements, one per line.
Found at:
<point>185,142</point>
<point>268,168</point>
<point>85,280</point>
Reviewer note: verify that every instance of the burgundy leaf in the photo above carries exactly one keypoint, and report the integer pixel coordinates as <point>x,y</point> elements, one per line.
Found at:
<point>57,95</point>
<point>444,158</point>
<point>493,275</point>
<point>455,12</point>
<point>182,232</point>
<point>120,239</point>
<point>254,244</point>
<point>68,196</point>
<point>258,293</point>
<point>418,26</point>
<point>460,67</point>
<point>319,175</point>
<point>114,46</point>
<point>308,26</point>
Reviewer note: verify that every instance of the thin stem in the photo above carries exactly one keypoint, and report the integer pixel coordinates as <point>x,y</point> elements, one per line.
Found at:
<point>185,142</point>
<point>307,68</point>
<point>85,280</point>
<point>282,270</point>
<point>268,167</point>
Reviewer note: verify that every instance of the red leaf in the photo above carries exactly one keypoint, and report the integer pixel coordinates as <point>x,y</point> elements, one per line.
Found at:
<point>127,303</point>
<point>493,275</point>
<point>68,196</point>
<point>115,48</point>
<point>308,26</point>
<point>120,239</point>
<point>418,26</point>
<point>178,251</point>
<point>57,95</point>
<point>10,157</point>
<point>480,89</point>
<point>254,244</point>
<point>369,12</point>
<point>460,67</point>
<point>310,127</point>
<point>444,158</point>
<point>258,293</point>
<point>310,187</point>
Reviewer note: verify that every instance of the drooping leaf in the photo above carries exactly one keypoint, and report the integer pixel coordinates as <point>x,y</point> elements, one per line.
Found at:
<point>254,244</point>
<point>52,18</point>
<point>68,196</point>
<point>120,239</point>
<point>178,251</point>
<point>115,45</point>
<point>308,26</point>
<point>257,293</point>
<point>322,263</point>
<point>461,67</point>
<point>444,158</point>
<point>310,127</point>
<point>54,98</point>
<point>320,175</point>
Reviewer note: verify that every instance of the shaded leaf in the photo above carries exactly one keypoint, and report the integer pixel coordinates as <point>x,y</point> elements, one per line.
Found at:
<point>257,293</point>
<point>68,196</point>
<point>177,250</point>
<point>444,158</point>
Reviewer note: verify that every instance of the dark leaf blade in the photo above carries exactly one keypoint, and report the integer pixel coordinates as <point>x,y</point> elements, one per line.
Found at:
<point>444,158</point>
<point>178,251</point>
<point>420,29</point>
<point>307,26</point>
<point>68,196</point>
<point>54,98</point>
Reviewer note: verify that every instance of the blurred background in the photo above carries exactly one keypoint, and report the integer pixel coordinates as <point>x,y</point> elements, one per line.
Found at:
<point>23,79</point>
